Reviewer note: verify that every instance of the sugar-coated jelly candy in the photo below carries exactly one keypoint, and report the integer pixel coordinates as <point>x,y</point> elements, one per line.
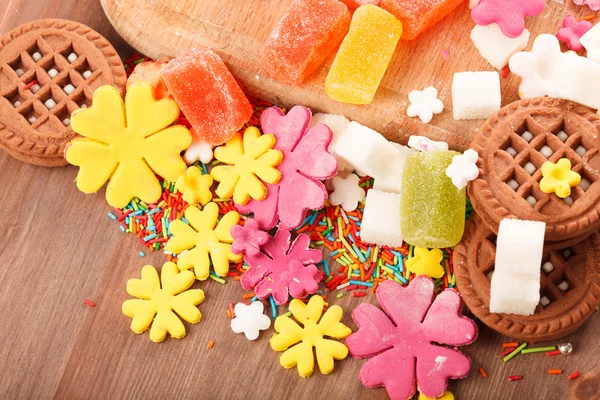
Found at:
<point>363,56</point>
<point>208,94</point>
<point>303,38</point>
<point>432,209</point>
<point>418,15</point>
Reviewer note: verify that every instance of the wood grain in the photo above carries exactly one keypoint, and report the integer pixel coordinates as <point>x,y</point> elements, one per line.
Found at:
<point>237,29</point>
<point>60,248</point>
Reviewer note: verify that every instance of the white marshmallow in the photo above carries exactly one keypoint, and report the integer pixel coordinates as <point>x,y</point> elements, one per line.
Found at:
<point>494,46</point>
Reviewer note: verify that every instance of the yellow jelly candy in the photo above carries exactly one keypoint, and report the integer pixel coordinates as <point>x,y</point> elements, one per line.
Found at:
<point>127,144</point>
<point>426,262</point>
<point>195,186</point>
<point>202,239</point>
<point>364,56</point>
<point>160,307</point>
<point>297,342</point>
<point>250,159</point>
<point>558,178</point>
<point>446,396</point>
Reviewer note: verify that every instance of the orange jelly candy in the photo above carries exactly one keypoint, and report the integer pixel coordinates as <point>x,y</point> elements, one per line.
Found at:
<point>418,15</point>
<point>303,38</point>
<point>151,73</point>
<point>208,94</point>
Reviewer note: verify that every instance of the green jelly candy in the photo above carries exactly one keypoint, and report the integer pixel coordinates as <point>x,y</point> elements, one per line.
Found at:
<point>432,209</point>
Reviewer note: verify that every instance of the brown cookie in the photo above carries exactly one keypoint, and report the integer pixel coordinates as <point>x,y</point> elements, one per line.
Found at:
<point>570,305</point>
<point>514,143</point>
<point>48,69</point>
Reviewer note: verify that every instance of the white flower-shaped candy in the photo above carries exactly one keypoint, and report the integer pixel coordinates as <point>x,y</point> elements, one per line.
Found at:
<point>250,320</point>
<point>422,143</point>
<point>424,103</point>
<point>463,168</point>
<point>198,150</point>
<point>346,192</point>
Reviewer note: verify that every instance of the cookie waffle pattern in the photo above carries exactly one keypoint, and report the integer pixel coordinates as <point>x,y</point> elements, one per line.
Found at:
<point>570,303</point>
<point>39,52</point>
<point>515,142</point>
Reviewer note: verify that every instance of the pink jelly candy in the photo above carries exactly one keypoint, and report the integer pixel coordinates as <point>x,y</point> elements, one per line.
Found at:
<point>402,342</point>
<point>303,38</point>
<point>508,14</point>
<point>208,94</point>
<point>418,15</point>
<point>306,163</point>
<point>572,30</point>
<point>283,268</point>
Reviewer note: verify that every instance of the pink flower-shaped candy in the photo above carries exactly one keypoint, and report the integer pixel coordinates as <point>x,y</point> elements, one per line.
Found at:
<point>593,4</point>
<point>572,30</point>
<point>306,163</point>
<point>508,14</point>
<point>248,239</point>
<point>401,346</point>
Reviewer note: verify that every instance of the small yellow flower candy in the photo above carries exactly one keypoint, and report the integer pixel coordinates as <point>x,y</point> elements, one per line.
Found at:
<point>195,186</point>
<point>426,262</point>
<point>446,396</point>
<point>250,159</point>
<point>297,342</point>
<point>558,178</point>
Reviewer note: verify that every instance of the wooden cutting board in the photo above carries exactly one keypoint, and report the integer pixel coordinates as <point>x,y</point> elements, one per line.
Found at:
<point>237,29</point>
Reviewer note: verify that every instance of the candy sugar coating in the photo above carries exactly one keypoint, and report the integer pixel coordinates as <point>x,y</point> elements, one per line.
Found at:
<point>432,209</point>
<point>208,94</point>
<point>364,56</point>
<point>303,38</point>
<point>418,15</point>
<point>358,3</point>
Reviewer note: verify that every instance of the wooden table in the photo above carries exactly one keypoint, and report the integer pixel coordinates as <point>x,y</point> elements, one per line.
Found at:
<point>60,248</point>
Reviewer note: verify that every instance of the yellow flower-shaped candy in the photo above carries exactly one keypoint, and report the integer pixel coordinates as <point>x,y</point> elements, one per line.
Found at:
<point>558,178</point>
<point>250,159</point>
<point>446,396</point>
<point>155,305</point>
<point>202,240</point>
<point>426,262</point>
<point>195,186</point>
<point>127,144</point>
<point>298,342</point>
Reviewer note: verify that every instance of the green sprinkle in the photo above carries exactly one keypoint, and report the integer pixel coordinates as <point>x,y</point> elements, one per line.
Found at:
<point>340,295</point>
<point>515,352</point>
<point>538,350</point>
<point>214,278</point>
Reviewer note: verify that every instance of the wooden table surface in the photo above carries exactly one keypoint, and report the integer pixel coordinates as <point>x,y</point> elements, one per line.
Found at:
<point>60,248</point>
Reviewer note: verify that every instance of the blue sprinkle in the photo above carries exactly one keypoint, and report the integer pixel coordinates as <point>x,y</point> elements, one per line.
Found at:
<point>136,213</point>
<point>273,307</point>
<point>150,237</point>
<point>122,229</point>
<point>326,265</point>
<point>400,277</point>
<point>334,253</point>
<point>141,253</point>
<point>112,216</point>
<point>368,255</point>
<point>154,211</point>
<point>359,253</point>
<point>254,299</point>
<point>360,283</point>
<point>185,220</point>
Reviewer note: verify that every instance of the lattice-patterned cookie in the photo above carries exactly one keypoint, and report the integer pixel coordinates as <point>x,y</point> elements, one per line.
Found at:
<point>570,285</point>
<point>48,69</point>
<point>514,143</point>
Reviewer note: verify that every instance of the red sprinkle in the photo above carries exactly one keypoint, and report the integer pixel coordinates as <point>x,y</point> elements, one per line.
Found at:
<point>359,294</point>
<point>482,372</point>
<point>508,351</point>
<point>30,84</point>
<point>515,378</point>
<point>574,375</point>
<point>505,71</point>
<point>89,303</point>
<point>553,353</point>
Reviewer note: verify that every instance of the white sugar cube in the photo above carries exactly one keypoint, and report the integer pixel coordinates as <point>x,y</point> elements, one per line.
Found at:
<point>511,151</point>
<point>563,286</point>
<point>36,56</point>
<point>69,89</point>
<point>52,73</point>
<point>72,57</point>
<point>544,301</point>
<point>337,124</point>
<point>19,72</point>
<point>584,184</point>
<point>548,267</point>
<point>514,185</point>
<point>562,135</point>
<point>580,151</point>
<point>546,151</point>
<point>527,136</point>
<point>530,168</point>
<point>514,293</point>
<point>391,180</point>
<point>531,200</point>
<point>32,119</point>
<point>365,150</point>
<point>17,103</point>
<point>569,200</point>
<point>381,219</point>
<point>475,95</point>
<point>66,121</point>
<point>591,39</point>
<point>494,46</point>
<point>87,74</point>
<point>50,104</point>
<point>35,88</point>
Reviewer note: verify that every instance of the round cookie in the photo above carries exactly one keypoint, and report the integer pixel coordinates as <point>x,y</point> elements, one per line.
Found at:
<point>514,143</point>
<point>48,69</point>
<point>578,266</point>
